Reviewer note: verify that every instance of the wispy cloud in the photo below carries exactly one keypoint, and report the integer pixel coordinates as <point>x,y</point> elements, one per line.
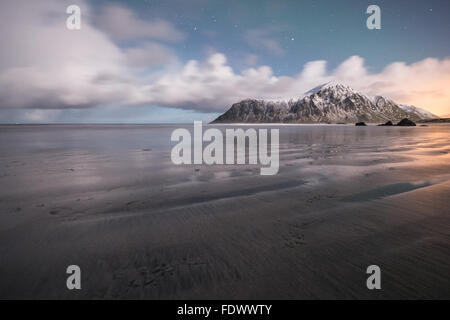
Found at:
<point>264,38</point>
<point>123,24</point>
<point>149,54</point>
<point>251,60</point>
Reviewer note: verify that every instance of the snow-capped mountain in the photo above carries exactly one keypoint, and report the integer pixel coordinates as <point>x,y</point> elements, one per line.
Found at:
<point>328,103</point>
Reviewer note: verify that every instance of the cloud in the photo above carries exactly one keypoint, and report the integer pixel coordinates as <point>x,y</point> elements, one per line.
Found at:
<point>41,116</point>
<point>214,86</point>
<point>44,66</point>
<point>264,39</point>
<point>351,70</point>
<point>251,59</point>
<point>149,54</point>
<point>123,24</point>
<point>208,86</point>
<point>425,83</point>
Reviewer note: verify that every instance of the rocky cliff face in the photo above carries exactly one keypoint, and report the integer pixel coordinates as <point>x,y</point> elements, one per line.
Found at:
<point>329,103</point>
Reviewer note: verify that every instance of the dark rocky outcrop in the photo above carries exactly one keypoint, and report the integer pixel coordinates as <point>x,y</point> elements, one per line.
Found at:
<point>406,123</point>
<point>389,123</point>
<point>360,124</point>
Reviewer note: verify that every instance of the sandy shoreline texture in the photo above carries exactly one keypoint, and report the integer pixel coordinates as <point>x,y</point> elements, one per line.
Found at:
<point>107,198</point>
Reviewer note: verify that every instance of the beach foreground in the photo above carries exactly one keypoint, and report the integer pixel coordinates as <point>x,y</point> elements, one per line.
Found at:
<point>108,199</point>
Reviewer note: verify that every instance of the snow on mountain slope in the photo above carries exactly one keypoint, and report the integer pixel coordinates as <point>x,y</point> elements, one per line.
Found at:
<point>332,84</point>
<point>422,113</point>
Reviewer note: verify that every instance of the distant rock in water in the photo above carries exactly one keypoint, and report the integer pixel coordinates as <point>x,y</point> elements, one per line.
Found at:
<point>406,123</point>
<point>389,123</point>
<point>329,103</point>
<point>360,124</point>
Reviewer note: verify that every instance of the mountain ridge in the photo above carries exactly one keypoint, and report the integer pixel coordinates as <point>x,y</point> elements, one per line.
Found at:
<point>331,102</point>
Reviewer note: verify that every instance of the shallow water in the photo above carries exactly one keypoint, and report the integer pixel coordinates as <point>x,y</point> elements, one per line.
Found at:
<point>79,158</point>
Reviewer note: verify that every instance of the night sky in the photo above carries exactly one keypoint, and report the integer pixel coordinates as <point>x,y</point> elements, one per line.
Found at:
<point>139,71</point>
<point>305,30</point>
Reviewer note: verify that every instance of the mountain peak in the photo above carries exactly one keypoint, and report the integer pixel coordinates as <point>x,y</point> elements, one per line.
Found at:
<point>330,84</point>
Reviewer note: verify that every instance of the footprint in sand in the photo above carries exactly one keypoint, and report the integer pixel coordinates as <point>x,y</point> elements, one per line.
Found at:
<point>60,211</point>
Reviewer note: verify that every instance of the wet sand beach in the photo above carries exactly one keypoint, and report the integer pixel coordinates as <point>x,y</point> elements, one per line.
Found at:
<point>109,199</point>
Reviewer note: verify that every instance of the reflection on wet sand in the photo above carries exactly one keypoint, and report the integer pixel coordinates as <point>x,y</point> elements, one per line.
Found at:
<point>109,199</point>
